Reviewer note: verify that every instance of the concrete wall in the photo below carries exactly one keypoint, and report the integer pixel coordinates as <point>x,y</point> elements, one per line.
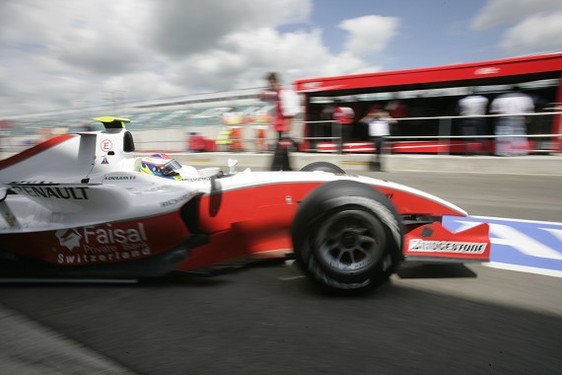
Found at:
<point>520,165</point>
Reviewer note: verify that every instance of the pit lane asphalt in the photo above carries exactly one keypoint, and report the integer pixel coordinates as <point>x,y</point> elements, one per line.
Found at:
<point>267,319</point>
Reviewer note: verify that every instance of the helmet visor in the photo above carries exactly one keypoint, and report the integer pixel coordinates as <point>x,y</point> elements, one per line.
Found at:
<point>171,167</point>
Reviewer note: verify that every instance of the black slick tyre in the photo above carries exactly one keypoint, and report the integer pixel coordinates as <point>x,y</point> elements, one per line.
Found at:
<point>323,166</point>
<point>347,236</point>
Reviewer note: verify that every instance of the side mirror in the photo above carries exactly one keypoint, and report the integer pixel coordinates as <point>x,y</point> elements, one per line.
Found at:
<point>208,172</point>
<point>232,163</point>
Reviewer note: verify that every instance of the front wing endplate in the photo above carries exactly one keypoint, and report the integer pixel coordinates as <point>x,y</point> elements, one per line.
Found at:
<point>433,241</point>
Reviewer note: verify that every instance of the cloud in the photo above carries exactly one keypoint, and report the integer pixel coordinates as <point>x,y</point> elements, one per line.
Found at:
<point>242,59</point>
<point>532,26</point>
<point>369,33</point>
<point>497,12</point>
<point>66,54</point>
<point>187,27</point>
<point>539,33</point>
<point>93,36</point>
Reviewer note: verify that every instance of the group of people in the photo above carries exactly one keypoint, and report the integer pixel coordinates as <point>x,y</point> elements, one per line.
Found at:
<point>510,126</point>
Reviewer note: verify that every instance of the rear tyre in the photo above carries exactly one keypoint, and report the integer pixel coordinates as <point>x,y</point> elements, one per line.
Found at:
<point>347,237</point>
<point>322,166</point>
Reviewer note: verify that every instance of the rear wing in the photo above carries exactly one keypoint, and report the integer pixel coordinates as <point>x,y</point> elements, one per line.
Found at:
<point>110,122</point>
<point>71,158</point>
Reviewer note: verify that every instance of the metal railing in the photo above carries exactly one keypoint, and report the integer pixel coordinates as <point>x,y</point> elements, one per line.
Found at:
<point>445,133</point>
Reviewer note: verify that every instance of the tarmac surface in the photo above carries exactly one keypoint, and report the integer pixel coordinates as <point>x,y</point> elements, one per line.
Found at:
<point>29,347</point>
<point>267,319</point>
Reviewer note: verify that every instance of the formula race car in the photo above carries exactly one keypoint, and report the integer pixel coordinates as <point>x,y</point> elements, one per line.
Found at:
<point>86,206</point>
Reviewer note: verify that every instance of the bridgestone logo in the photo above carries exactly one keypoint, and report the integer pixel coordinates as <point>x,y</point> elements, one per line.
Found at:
<point>417,245</point>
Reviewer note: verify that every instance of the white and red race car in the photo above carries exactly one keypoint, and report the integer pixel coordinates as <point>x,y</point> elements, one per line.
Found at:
<point>86,206</point>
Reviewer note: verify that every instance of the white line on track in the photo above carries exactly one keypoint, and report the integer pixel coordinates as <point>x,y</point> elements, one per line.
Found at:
<point>534,270</point>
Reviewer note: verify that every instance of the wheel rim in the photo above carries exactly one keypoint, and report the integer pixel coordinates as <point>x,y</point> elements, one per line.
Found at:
<point>350,241</point>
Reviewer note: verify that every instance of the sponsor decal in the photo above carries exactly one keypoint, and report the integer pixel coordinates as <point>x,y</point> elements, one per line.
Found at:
<point>174,201</point>
<point>418,245</point>
<point>119,178</point>
<point>193,179</point>
<point>488,70</point>
<point>101,243</point>
<point>49,192</point>
<point>311,85</point>
<point>69,238</point>
<point>106,145</point>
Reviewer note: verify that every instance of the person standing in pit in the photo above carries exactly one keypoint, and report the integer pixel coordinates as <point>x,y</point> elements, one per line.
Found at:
<point>378,122</point>
<point>286,108</point>
<point>473,125</point>
<point>511,127</point>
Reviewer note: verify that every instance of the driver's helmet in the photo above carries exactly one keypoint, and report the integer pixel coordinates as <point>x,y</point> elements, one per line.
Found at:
<point>161,165</point>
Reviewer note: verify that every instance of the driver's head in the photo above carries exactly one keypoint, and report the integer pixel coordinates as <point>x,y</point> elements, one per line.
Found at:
<point>160,165</point>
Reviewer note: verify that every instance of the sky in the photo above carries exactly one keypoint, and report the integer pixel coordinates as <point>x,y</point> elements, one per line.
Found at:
<point>68,54</point>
